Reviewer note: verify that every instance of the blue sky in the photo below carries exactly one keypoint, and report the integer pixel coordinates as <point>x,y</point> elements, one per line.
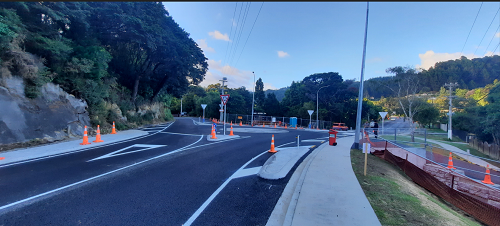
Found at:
<point>291,40</point>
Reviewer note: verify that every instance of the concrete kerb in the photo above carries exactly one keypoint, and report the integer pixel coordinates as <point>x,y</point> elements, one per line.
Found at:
<point>285,207</point>
<point>222,137</point>
<point>279,164</point>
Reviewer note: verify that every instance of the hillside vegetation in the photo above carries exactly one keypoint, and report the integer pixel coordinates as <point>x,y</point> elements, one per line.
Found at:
<point>124,53</point>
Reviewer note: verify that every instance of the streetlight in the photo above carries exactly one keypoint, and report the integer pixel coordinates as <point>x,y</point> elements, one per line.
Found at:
<point>253,97</point>
<point>317,104</point>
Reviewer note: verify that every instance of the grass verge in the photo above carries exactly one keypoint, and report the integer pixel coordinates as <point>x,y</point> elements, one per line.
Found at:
<point>396,200</point>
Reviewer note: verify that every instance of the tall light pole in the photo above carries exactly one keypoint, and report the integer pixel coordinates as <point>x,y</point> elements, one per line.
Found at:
<point>253,97</point>
<point>360,95</point>
<point>317,106</point>
<point>223,113</point>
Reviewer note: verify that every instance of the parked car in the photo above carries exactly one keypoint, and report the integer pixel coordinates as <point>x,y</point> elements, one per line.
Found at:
<point>339,126</point>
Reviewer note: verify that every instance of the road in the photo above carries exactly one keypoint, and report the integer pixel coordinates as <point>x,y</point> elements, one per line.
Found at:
<point>163,178</point>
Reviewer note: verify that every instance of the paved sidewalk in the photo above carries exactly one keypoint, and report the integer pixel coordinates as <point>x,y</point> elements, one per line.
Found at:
<point>324,191</point>
<point>463,154</point>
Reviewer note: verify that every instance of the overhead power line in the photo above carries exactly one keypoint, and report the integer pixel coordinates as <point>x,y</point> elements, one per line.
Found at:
<point>487,31</point>
<point>494,34</point>
<point>241,31</point>
<point>249,34</point>
<point>471,30</point>
<point>236,30</point>
<point>232,21</point>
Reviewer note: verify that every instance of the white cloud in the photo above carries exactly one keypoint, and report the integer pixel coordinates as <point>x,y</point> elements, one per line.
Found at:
<point>282,54</point>
<point>202,43</point>
<point>430,58</point>
<point>269,86</point>
<point>497,35</point>
<point>236,78</point>
<point>374,60</point>
<point>219,36</point>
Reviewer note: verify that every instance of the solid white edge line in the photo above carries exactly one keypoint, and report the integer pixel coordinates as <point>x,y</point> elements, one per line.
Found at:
<point>207,202</point>
<point>95,177</point>
<point>185,134</point>
<point>85,149</point>
<point>248,172</point>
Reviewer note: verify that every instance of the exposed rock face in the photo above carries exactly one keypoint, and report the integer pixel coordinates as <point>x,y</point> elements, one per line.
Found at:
<point>53,115</point>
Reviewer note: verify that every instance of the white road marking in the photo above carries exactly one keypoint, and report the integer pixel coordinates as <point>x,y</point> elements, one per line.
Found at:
<point>113,154</point>
<point>80,150</point>
<point>110,172</point>
<point>185,134</point>
<point>98,176</point>
<point>311,140</point>
<point>247,172</point>
<point>205,204</point>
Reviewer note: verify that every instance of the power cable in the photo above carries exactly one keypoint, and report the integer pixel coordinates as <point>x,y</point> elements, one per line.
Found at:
<point>249,34</point>
<point>241,31</point>
<point>486,31</point>
<point>236,30</point>
<point>494,34</point>
<point>495,49</point>
<point>234,13</point>
<point>471,29</point>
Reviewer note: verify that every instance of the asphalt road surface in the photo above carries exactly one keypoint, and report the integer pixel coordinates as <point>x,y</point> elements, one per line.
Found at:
<point>172,176</point>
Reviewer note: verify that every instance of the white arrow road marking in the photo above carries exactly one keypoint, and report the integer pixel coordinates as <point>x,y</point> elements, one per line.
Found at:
<point>113,154</point>
<point>247,172</point>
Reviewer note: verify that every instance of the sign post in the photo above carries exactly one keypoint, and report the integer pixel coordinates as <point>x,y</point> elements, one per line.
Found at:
<point>310,114</point>
<point>383,114</point>
<point>224,99</point>
<point>203,106</point>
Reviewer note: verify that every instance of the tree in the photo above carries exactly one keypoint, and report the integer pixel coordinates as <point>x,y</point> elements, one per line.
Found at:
<point>427,115</point>
<point>405,85</point>
<point>260,96</point>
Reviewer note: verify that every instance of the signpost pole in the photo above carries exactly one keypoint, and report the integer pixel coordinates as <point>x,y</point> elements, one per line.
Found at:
<point>203,106</point>
<point>310,115</point>
<point>383,114</point>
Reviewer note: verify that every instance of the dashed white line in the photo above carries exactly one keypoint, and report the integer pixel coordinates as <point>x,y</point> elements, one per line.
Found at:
<point>205,204</point>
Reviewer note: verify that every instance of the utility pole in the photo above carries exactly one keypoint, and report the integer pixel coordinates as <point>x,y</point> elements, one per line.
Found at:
<point>253,97</point>
<point>360,95</point>
<point>222,119</point>
<point>451,86</point>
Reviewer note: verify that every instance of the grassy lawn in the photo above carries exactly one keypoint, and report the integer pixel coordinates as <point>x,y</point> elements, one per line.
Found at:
<point>396,200</point>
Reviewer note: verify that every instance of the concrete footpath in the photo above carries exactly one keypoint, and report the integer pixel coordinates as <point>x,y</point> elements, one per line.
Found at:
<point>323,190</point>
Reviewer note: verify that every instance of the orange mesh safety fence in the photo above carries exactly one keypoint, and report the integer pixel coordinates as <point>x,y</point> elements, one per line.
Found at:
<point>473,205</point>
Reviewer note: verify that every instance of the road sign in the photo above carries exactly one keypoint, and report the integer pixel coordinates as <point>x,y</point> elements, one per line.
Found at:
<point>221,110</point>
<point>240,117</point>
<point>224,98</point>
<point>310,112</point>
<point>203,106</point>
<point>383,114</point>
<point>215,127</point>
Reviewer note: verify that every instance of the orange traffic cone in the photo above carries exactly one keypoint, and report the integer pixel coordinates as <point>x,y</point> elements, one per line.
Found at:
<point>98,136</point>
<point>272,150</point>
<point>286,127</point>
<point>231,123</point>
<point>241,124</point>
<point>274,125</point>
<point>2,158</point>
<point>295,126</point>
<point>450,162</point>
<point>487,177</point>
<point>231,133</point>
<point>213,133</point>
<point>85,137</point>
<point>113,131</point>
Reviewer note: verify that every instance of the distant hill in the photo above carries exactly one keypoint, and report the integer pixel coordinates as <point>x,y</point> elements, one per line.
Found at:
<point>280,93</point>
<point>469,74</point>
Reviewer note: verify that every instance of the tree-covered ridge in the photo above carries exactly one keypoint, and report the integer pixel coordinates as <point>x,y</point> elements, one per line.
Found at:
<point>104,52</point>
<point>469,74</point>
